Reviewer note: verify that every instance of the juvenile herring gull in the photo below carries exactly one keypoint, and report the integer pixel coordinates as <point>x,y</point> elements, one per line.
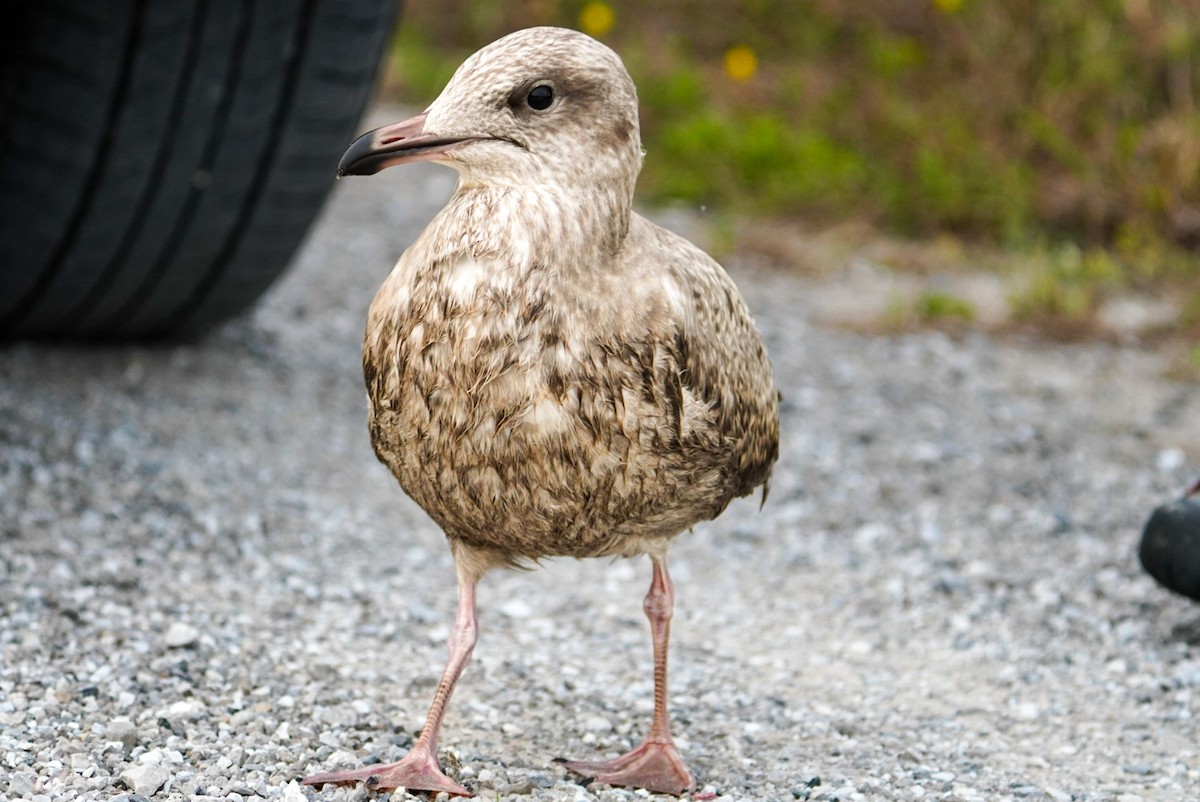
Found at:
<point>549,373</point>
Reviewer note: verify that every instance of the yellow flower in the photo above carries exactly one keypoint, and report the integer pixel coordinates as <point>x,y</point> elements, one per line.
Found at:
<point>597,18</point>
<point>948,6</point>
<point>740,63</point>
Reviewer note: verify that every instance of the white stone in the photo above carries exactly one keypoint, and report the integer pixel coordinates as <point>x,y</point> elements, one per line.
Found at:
<point>597,724</point>
<point>516,608</point>
<point>145,778</point>
<point>21,784</point>
<point>180,634</point>
<point>151,756</point>
<point>1171,459</point>
<point>1026,711</point>
<point>292,793</point>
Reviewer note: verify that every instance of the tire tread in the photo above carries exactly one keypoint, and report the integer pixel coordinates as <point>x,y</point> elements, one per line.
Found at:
<point>176,162</point>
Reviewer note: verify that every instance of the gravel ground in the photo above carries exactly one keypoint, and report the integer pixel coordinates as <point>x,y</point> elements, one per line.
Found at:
<point>209,587</point>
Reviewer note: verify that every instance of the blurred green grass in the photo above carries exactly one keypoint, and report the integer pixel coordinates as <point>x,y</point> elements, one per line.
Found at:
<point>1063,130</point>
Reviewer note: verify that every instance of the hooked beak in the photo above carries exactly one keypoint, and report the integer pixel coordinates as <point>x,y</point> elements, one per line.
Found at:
<point>398,143</point>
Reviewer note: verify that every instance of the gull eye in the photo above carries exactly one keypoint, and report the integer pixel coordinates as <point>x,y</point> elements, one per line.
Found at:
<point>540,97</point>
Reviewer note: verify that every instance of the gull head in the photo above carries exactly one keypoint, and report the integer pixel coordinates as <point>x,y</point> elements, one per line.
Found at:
<point>540,107</point>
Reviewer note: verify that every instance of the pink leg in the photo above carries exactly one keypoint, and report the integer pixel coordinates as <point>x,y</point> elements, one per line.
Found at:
<point>419,769</point>
<point>656,764</point>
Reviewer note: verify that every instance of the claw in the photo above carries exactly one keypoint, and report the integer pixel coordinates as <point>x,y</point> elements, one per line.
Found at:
<point>417,771</point>
<point>655,766</point>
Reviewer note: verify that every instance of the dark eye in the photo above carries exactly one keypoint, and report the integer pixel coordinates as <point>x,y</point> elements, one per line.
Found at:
<point>540,97</point>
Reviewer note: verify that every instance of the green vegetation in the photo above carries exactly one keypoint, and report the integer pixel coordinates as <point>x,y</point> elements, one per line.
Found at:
<point>930,308</point>
<point>938,307</point>
<point>1065,130</point>
<point>1066,283</point>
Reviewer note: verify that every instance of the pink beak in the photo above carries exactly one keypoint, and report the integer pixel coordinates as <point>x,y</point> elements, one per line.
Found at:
<point>398,143</point>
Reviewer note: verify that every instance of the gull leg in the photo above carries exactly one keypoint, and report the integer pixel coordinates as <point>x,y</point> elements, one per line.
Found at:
<point>656,764</point>
<point>419,769</point>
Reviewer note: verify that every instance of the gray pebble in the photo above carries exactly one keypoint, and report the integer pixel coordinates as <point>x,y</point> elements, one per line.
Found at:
<point>146,778</point>
<point>21,784</point>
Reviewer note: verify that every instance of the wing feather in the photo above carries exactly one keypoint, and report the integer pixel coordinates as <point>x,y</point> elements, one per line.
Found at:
<point>722,359</point>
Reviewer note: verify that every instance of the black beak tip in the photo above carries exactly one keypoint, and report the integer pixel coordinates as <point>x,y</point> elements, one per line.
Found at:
<point>361,158</point>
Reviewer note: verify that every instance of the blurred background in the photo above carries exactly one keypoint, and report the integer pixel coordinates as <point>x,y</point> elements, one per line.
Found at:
<point>1055,143</point>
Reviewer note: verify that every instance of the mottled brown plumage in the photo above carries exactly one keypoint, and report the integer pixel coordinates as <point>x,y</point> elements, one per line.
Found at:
<point>549,373</point>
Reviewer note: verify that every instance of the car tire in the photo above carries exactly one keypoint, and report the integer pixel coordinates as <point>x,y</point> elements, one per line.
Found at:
<point>1170,546</point>
<point>161,161</point>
